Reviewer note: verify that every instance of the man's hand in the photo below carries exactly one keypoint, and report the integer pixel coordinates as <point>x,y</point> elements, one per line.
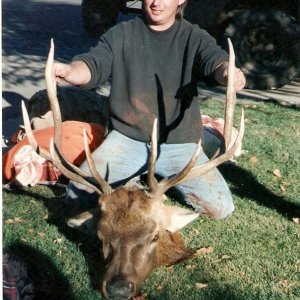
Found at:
<point>61,71</point>
<point>221,75</point>
<point>77,73</point>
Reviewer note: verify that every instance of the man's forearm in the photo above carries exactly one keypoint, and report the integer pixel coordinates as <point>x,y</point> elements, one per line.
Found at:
<point>77,73</point>
<point>221,76</point>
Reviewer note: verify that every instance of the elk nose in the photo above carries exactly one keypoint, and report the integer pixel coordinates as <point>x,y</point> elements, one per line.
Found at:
<point>120,289</point>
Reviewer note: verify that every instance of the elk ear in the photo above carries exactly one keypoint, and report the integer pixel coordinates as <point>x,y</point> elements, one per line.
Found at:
<point>179,217</point>
<point>86,221</point>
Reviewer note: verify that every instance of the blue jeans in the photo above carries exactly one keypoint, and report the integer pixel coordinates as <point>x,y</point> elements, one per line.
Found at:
<point>120,160</point>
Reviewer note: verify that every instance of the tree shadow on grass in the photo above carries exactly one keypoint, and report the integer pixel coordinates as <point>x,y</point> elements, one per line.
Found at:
<point>245,185</point>
<point>47,281</point>
<point>90,246</point>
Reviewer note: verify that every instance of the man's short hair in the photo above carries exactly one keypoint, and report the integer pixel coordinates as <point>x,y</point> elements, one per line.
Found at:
<point>180,10</point>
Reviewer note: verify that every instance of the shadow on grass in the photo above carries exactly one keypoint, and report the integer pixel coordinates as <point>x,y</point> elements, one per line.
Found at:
<point>47,281</point>
<point>90,246</point>
<point>190,284</point>
<point>246,186</point>
<point>243,184</point>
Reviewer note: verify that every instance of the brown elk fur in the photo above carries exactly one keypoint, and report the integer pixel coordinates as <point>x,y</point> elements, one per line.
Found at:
<point>129,226</point>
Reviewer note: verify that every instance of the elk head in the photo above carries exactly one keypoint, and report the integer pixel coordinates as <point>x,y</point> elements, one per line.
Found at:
<point>138,230</point>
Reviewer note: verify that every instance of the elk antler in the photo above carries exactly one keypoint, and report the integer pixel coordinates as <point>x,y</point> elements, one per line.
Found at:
<point>191,172</point>
<point>230,97</point>
<point>56,157</point>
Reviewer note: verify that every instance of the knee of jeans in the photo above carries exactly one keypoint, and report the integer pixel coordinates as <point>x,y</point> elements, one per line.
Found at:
<point>225,212</point>
<point>216,210</point>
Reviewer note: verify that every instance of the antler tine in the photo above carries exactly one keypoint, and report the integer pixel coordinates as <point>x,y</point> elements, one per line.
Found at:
<point>211,164</point>
<point>31,139</point>
<point>151,180</point>
<point>105,187</point>
<point>190,172</point>
<point>52,96</point>
<point>230,97</point>
<point>156,188</point>
<point>57,160</point>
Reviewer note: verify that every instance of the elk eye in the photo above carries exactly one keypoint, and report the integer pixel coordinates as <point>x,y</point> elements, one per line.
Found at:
<point>155,238</point>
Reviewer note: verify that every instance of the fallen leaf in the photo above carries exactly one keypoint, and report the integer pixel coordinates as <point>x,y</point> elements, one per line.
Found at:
<point>253,160</point>
<point>296,129</point>
<point>283,283</point>
<point>190,267</point>
<point>30,231</point>
<point>58,241</point>
<point>45,217</point>
<point>277,173</point>
<point>225,257</point>
<point>296,220</point>
<point>200,285</point>
<point>9,221</point>
<point>216,261</point>
<point>15,220</point>
<point>159,287</point>
<point>204,251</point>
<point>282,188</point>
<point>41,234</point>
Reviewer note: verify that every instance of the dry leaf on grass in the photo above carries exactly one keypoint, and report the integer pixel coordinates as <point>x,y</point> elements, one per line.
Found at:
<point>190,267</point>
<point>223,257</point>
<point>159,287</point>
<point>58,241</point>
<point>41,234</point>
<point>296,220</point>
<point>200,285</point>
<point>253,160</point>
<point>204,251</point>
<point>283,283</point>
<point>170,268</point>
<point>282,188</point>
<point>277,173</point>
<point>15,220</point>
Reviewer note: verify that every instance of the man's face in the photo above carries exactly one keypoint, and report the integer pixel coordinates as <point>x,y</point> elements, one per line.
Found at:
<point>161,13</point>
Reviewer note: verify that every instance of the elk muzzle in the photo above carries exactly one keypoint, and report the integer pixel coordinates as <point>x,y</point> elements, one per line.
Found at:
<point>118,288</point>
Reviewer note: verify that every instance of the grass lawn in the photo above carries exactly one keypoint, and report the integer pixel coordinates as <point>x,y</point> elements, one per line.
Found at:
<point>254,254</point>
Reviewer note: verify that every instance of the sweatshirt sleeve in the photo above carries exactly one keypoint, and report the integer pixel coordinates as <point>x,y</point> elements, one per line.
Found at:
<point>209,55</point>
<point>99,60</point>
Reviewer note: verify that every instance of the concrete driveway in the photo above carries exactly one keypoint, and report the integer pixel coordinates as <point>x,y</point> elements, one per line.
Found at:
<point>27,29</point>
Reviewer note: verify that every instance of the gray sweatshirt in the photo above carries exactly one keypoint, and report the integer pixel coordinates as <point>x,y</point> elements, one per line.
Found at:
<point>153,75</point>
